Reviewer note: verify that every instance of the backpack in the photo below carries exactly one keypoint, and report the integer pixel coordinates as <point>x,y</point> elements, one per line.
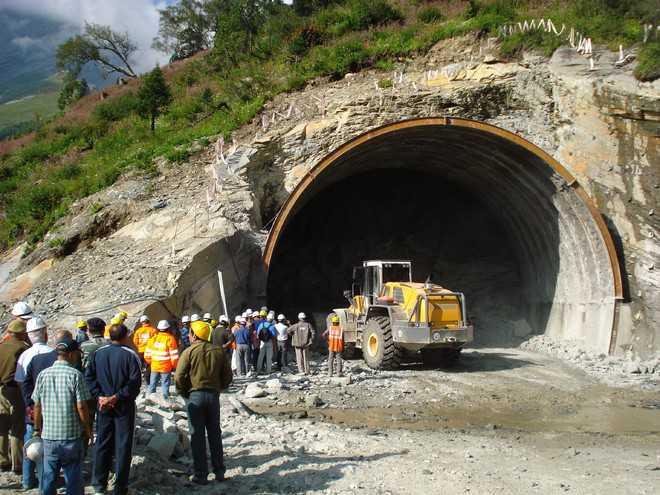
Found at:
<point>264,333</point>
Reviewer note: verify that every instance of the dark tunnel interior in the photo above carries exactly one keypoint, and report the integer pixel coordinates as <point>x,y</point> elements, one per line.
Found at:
<point>448,234</point>
<point>477,209</point>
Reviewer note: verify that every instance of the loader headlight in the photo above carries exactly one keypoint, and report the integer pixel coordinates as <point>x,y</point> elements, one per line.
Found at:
<point>436,336</point>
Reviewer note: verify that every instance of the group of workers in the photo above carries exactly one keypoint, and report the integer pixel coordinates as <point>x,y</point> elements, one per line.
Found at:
<point>51,397</point>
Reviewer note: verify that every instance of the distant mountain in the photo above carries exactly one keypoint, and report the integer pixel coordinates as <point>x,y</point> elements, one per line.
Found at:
<point>28,79</point>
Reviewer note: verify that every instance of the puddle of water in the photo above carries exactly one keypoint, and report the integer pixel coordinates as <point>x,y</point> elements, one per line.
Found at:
<point>608,419</point>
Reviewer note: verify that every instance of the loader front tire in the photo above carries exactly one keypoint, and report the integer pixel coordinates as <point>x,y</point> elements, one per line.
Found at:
<point>378,348</point>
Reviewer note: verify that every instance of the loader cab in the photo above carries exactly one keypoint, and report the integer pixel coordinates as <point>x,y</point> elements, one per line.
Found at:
<point>368,280</point>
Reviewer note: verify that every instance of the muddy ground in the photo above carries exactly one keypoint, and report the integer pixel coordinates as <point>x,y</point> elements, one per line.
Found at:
<point>502,421</point>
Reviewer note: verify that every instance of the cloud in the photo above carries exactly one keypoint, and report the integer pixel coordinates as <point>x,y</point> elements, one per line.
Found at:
<point>137,17</point>
<point>24,42</point>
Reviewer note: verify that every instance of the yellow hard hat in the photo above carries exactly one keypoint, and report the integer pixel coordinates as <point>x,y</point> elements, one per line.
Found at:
<point>214,323</point>
<point>116,321</point>
<point>201,329</point>
<point>123,315</point>
<point>81,324</point>
<point>263,313</point>
<point>335,319</point>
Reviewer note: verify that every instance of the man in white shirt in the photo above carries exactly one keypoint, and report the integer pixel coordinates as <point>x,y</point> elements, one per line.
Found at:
<point>38,335</point>
<point>282,342</point>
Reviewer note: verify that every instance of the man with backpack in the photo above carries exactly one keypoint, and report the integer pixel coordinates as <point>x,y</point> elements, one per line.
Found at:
<point>266,332</point>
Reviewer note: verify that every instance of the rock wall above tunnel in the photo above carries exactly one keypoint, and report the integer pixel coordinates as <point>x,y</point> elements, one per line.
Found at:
<point>601,125</point>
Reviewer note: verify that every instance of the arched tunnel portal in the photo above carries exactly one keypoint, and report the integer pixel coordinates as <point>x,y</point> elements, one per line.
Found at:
<point>476,208</point>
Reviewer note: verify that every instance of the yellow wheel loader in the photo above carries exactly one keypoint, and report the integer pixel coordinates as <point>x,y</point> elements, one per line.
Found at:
<point>390,315</point>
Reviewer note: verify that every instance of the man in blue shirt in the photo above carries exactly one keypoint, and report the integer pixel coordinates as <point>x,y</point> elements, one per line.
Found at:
<point>114,377</point>
<point>266,332</point>
<point>242,339</point>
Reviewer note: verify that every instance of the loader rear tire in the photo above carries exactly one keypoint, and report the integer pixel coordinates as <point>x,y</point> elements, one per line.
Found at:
<point>378,348</point>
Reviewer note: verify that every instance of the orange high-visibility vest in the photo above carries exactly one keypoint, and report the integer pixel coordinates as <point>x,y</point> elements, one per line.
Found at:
<point>142,335</point>
<point>335,338</point>
<point>162,353</point>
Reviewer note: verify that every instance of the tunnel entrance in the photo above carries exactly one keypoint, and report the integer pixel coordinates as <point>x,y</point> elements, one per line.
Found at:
<point>451,236</point>
<point>474,207</point>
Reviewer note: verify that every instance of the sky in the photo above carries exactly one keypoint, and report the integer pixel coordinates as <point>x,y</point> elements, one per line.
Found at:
<point>137,17</point>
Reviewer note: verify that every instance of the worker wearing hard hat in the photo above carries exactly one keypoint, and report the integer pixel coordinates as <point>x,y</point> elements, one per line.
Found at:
<point>335,336</point>
<point>20,313</point>
<point>162,354</point>
<point>82,335</point>
<point>222,336</point>
<point>141,338</point>
<point>203,372</point>
<point>282,342</point>
<point>207,317</point>
<point>65,430</point>
<point>302,337</point>
<point>118,319</point>
<point>242,339</point>
<point>12,409</point>
<point>185,332</point>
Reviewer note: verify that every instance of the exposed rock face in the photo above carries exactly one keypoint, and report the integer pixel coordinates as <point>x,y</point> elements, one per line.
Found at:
<point>176,230</point>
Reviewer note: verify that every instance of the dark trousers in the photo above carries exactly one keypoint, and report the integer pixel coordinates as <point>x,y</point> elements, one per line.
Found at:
<point>204,420</point>
<point>114,438</point>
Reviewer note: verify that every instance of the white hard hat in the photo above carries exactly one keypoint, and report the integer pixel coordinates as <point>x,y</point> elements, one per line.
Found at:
<point>34,449</point>
<point>237,318</point>
<point>242,320</point>
<point>270,316</point>
<point>249,311</point>
<point>35,323</point>
<point>195,317</point>
<point>301,316</point>
<point>223,318</point>
<point>254,314</point>
<point>207,316</point>
<point>144,319</point>
<point>163,325</point>
<point>281,317</point>
<point>185,319</point>
<point>22,310</point>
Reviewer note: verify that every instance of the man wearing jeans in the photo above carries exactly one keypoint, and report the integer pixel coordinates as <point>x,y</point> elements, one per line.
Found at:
<point>203,372</point>
<point>61,418</point>
<point>242,339</point>
<point>162,354</point>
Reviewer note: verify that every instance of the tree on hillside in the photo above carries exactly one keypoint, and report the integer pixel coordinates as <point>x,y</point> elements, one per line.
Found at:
<point>154,96</point>
<point>185,28</point>
<point>237,25</point>
<point>98,44</point>
<point>72,90</point>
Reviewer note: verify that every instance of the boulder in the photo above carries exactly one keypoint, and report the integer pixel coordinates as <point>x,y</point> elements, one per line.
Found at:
<point>274,385</point>
<point>254,390</point>
<point>163,444</point>
<point>159,412</point>
<point>313,401</point>
<point>169,426</point>
<point>341,380</point>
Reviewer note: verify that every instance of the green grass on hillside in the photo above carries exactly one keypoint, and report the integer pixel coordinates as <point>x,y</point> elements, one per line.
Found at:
<point>70,160</point>
<point>17,114</point>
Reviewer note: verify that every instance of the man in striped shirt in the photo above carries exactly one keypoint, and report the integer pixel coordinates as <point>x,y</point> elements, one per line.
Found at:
<point>61,418</point>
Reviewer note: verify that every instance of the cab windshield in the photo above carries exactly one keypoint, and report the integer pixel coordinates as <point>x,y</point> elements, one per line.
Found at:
<point>396,273</point>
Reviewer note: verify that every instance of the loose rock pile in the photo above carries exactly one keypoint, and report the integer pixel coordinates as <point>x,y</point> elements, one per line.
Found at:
<point>615,370</point>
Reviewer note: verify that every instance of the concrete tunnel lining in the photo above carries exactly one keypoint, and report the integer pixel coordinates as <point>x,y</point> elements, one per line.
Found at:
<point>569,274</point>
